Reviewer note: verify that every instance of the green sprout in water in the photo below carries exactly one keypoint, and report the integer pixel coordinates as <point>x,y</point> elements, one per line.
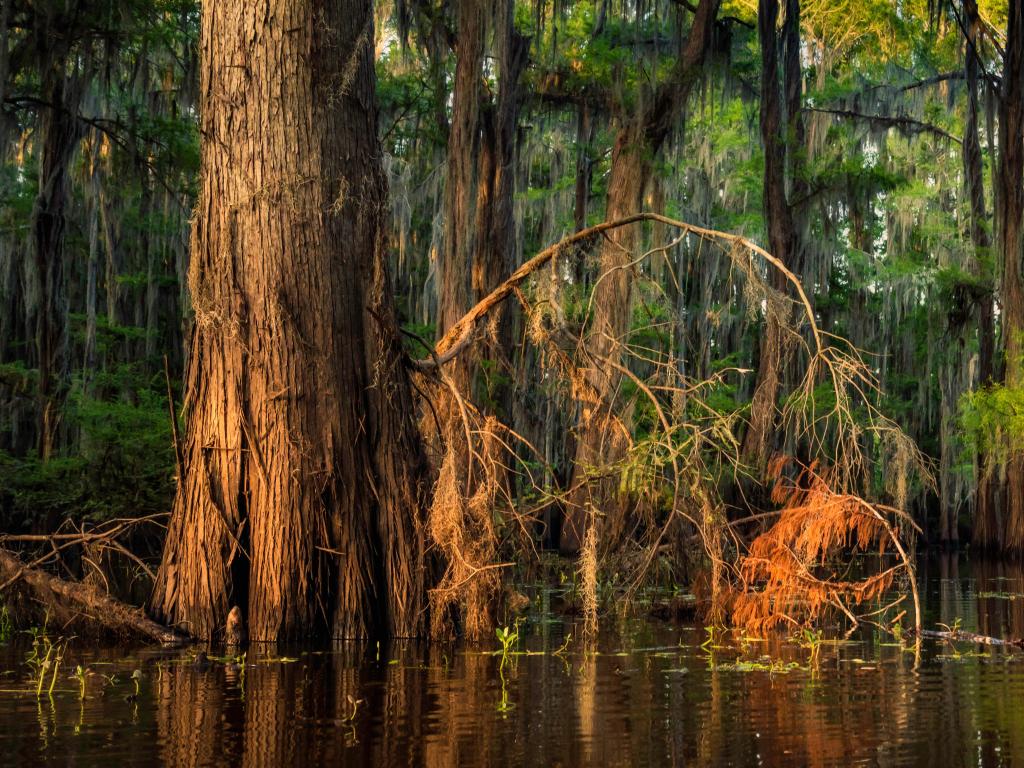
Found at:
<point>58,657</point>
<point>564,646</point>
<point>349,717</point>
<point>954,628</point>
<point>508,637</point>
<point>709,644</point>
<point>136,677</point>
<point>81,674</point>
<point>45,658</point>
<point>812,640</point>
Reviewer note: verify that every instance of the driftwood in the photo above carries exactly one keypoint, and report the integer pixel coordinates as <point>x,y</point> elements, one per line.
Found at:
<point>78,600</point>
<point>960,635</point>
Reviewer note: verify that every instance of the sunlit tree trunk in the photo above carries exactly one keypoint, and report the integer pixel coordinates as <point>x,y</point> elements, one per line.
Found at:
<point>584,165</point>
<point>301,495</point>
<point>89,357</point>
<point>1010,209</point>
<point>112,266</point>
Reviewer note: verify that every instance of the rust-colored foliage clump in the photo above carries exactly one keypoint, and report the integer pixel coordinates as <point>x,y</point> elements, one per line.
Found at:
<point>786,573</point>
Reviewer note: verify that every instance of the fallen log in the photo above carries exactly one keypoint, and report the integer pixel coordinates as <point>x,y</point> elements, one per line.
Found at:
<point>962,636</point>
<point>77,601</point>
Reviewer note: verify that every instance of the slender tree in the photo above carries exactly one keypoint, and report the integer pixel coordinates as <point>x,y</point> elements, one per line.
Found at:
<point>455,296</point>
<point>781,140</point>
<point>496,250</point>
<point>987,531</point>
<point>59,134</point>
<point>638,142</point>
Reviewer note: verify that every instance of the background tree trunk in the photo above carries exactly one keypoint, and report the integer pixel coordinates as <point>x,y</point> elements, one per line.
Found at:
<point>779,139</point>
<point>46,300</point>
<point>637,144</point>
<point>1010,209</point>
<point>302,491</point>
<point>987,531</point>
<point>454,297</point>
<point>496,249</point>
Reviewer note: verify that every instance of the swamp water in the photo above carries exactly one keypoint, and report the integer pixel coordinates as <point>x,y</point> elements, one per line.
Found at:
<point>647,692</point>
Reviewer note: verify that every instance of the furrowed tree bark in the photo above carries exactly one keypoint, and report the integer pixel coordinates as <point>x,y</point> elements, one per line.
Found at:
<point>1010,209</point>
<point>779,141</point>
<point>46,300</point>
<point>302,495</point>
<point>636,147</point>
<point>496,250</point>
<point>479,251</point>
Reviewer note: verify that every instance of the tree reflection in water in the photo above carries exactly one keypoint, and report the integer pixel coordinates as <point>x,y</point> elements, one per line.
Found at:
<point>647,693</point>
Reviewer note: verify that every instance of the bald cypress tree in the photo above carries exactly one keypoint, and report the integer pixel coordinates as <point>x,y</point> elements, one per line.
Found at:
<point>300,500</point>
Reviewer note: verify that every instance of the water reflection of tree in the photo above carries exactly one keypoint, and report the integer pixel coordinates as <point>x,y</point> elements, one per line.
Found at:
<point>193,716</point>
<point>439,706</point>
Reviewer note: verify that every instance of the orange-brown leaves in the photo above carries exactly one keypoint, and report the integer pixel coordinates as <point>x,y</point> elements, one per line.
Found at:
<point>786,574</point>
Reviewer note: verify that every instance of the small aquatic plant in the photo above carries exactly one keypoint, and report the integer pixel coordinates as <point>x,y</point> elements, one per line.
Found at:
<point>81,675</point>
<point>6,625</point>
<point>508,637</point>
<point>353,704</point>
<point>564,646</point>
<point>710,643</point>
<point>953,628</point>
<point>812,640</point>
<point>58,658</point>
<point>44,659</point>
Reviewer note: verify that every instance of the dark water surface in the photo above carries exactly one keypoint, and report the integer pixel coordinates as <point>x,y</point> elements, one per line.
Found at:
<point>653,693</point>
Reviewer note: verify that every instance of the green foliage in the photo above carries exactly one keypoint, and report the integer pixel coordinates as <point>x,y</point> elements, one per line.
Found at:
<point>992,419</point>
<point>416,338</point>
<point>6,625</point>
<point>124,468</point>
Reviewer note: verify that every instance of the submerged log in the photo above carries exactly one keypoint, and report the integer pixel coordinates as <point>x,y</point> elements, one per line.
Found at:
<point>960,635</point>
<point>71,600</point>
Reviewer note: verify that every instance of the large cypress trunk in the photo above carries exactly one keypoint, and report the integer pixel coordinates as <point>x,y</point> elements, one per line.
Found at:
<point>301,495</point>
<point>1010,209</point>
<point>600,442</point>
